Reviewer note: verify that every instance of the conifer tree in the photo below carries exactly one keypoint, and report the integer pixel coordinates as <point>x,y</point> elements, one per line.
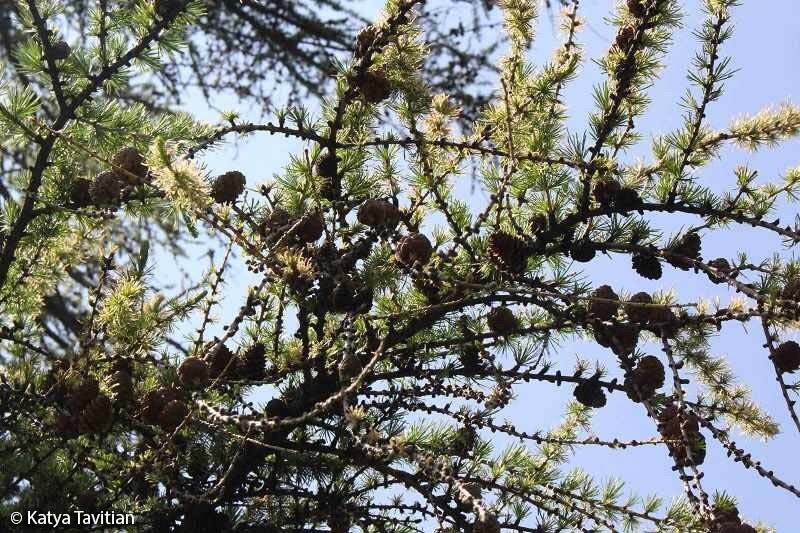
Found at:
<point>361,382</point>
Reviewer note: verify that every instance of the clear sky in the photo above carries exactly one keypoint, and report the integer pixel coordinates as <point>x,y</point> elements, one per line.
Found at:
<point>765,47</point>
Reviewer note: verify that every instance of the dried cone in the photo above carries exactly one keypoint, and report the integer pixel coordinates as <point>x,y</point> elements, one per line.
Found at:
<point>624,338</point>
<point>172,415</point>
<point>414,248</point>
<point>508,252</point>
<point>310,228</point>
<point>590,394</point>
<point>98,416</point>
<point>682,253</point>
<point>627,199</point>
<point>154,402</point>
<point>276,408</point>
<point>787,357</point>
<point>366,36</point>
<point>625,38</point>
<point>501,320</point>
<point>675,428</point>
<point>131,161</point>
<point>487,524</point>
<point>375,87</point>
<point>166,8</point>
<point>582,251</point>
<point>601,307</point>
<point>120,385</point>
<point>722,266</point>
<point>326,165</point>
<point>83,393</point>
<point>59,50</point>
<point>227,187</point>
<point>219,362</point>
<point>647,266</point>
<point>106,188</point>
<point>378,214</point>
<point>464,441</point>
<point>193,373</point>
<point>65,426</point>
<point>639,313</point>
<point>645,379</point>
<point>636,7</point>
<point>605,191</point>
<point>79,195</point>
<point>253,365</point>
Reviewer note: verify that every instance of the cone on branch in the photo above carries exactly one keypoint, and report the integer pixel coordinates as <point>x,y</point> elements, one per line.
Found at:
<point>276,408</point>
<point>414,249</point>
<point>604,303</point>
<point>59,50</point>
<point>635,310</point>
<point>221,360</point>
<point>193,373</point>
<point>106,188</point>
<point>787,357</point>
<point>374,86</point>
<point>501,321</point>
<point>378,214</point>
<point>647,266</point>
<point>79,192</point>
<point>97,416</point>
<point>309,228</point>
<point>154,403</point>
<point>253,365</point>
<point>120,382</point>
<point>637,8</point>
<point>645,379</point>
<point>132,162</point>
<point>683,253</point>
<point>508,252</point>
<point>82,393</point>
<point>582,251</point>
<point>228,187</point>
<point>625,38</point>
<point>723,267</point>
<point>605,192</point>
<point>590,393</point>
<point>172,415</point>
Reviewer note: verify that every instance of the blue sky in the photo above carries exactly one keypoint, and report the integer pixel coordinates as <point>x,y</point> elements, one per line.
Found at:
<point>765,47</point>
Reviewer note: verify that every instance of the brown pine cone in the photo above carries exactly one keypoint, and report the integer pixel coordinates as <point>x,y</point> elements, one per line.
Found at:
<point>276,408</point>
<point>602,308</point>
<point>647,266</point>
<point>154,402</point>
<point>791,291</point>
<point>464,441</point>
<point>326,165</point>
<point>65,426</point>
<point>131,161</point>
<point>59,50</point>
<point>582,251</point>
<point>79,195</point>
<point>605,192</point>
<point>366,36</point>
<point>488,524</point>
<point>501,320</point>
<point>120,385</point>
<point>537,224</point>
<point>343,296</point>
<point>722,266</point>
<point>275,220</point>
<point>645,379</point>
<point>227,187</point>
<point>670,422</point>
<point>375,87</point>
<point>253,365</point>
<point>637,7</point>
<point>787,357</point>
<point>310,228</point>
<point>378,214</point>
<point>414,248</point>
<point>590,394</point>
<point>106,188</point>
<point>81,394</point>
<point>193,373</point>
<point>625,38</point>
<point>508,252</point>
<point>219,360</point>
<point>681,254</point>
<point>172,415</point>
<point>639,313</point>
<point>98,416</point>
<point>624,338</point>
<point>166,8</point>
<point>627,199</point>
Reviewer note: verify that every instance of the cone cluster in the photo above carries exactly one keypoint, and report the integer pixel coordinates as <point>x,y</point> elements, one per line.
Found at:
<point>508,252</point>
